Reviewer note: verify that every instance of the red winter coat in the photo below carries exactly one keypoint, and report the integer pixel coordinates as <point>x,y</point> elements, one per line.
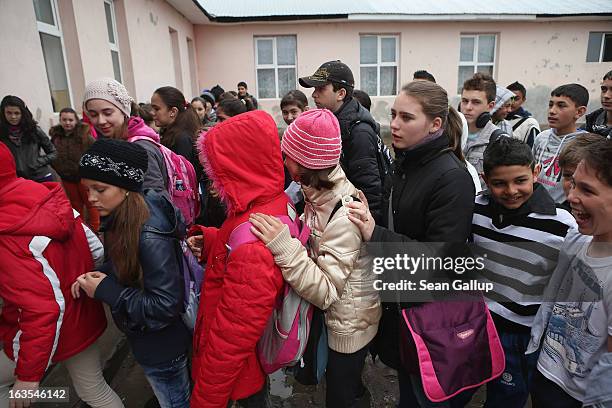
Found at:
<point>243,159</point>
<point>43,248</point>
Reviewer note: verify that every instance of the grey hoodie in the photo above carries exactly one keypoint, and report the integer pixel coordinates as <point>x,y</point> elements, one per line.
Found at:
<point>474,149</point>
<point>546,149</point>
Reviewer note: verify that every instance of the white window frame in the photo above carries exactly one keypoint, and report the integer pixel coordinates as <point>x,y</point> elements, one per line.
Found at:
<point>379,63</point>
<point>601,46</point>
<point>56,31</point>
<point>114,46</point>
<point>474,61</point>
<point>274,64</point>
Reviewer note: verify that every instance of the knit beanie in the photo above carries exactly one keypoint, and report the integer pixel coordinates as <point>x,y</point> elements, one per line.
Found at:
<point>8,170</point>
<point>109,90</point>
<point>313,139</point>
<point>115,162</point>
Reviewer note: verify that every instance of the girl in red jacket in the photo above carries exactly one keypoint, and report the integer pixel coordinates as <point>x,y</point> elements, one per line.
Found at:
<point>243,159</point>
<point>44,248</point>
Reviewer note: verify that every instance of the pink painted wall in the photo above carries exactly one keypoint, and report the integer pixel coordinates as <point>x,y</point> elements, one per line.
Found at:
<point>144,41</point>
<point>22,70</point>
<point>540,54</point>
<point>150,45</point>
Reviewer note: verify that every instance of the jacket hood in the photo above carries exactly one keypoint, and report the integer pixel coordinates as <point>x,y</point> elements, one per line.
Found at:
<point>351,112</point>
<point>165,218</point>
<point>30,209</point>
<point>242,157</point>
<point>137,127</point>
<point>58,130</point>
<point>502,96</point>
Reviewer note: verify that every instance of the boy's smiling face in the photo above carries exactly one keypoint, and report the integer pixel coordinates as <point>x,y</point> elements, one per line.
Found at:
<point>290,113</point>
<point>591,202</point>
<point>511,186</point>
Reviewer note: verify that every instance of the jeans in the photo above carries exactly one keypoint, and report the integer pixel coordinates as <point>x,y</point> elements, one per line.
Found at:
<point>170,382</point>
<point>343,377</point>
<point>512,388</point>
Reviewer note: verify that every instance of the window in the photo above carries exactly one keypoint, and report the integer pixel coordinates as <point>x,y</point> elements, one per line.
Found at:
<point>52,45</point>
<point>275,61</point>
<point>477,54</point>
<point>599,48</point>
<point>378,64</point>
<point>176,58</point>
<point>192,67</point>
<point>113,42</point>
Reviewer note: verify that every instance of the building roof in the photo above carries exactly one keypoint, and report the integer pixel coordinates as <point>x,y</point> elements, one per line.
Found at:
<point>271,10</point>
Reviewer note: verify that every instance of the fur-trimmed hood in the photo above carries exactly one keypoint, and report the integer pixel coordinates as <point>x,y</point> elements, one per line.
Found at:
<point>242,158</point>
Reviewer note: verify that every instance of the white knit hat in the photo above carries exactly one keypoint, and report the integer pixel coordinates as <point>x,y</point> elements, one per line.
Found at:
<point>109,90</point>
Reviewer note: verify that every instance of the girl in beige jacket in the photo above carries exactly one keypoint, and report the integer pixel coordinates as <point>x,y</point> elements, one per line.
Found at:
<point>336,276</point>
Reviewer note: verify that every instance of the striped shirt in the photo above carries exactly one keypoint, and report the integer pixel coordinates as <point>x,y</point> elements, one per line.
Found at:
<point>521,252</point>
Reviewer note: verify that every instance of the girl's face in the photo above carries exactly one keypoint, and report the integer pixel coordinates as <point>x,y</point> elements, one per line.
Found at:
<point>12,115</point>
<point>106,117</point>
<point>162,115</point>
<point>409,125</point>
<point>104,197</point>
<point>293,167</point>
<point>68,121</point>
<point>199,108</point>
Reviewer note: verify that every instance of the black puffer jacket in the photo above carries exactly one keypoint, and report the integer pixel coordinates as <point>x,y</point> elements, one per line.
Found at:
<point>359,156</point>
<point>597,122</point>
<point>151,316</point>
<point>31,163</point>
<point>432,201</point>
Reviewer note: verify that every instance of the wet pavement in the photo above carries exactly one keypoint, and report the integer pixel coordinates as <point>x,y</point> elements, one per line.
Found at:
<point>380,380</point>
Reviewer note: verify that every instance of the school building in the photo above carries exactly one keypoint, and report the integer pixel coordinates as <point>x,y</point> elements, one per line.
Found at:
<point>52,48</point>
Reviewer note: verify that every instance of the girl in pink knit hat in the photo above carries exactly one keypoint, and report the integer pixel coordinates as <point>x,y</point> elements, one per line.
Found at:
<point>335,277</point>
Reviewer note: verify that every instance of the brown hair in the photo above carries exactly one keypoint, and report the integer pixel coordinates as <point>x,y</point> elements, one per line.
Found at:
<point>598,156</point>
<point>482,82</point>
<point>187,120</point>
<point>434,103</point>
<point>317,179</point>
<point>123,238</point>
<point>573,151</point>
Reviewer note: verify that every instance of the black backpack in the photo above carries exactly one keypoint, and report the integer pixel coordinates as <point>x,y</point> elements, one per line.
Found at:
<point>384,162</point>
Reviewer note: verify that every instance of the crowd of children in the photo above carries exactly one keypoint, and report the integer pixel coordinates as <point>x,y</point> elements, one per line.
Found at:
<point>146,188</point>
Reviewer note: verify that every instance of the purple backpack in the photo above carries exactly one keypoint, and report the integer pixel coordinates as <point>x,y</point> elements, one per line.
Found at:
<point>285,336</point>
<point>452,345</point>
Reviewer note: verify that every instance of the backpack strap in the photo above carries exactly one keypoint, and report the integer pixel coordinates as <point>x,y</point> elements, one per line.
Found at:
<point>242,233</point>
<point>519,123</point>
<point>339,204</point>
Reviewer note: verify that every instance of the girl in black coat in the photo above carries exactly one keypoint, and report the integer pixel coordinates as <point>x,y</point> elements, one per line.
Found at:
<point>21,134</point>
<point>432,201</point>
<point>142,279</point>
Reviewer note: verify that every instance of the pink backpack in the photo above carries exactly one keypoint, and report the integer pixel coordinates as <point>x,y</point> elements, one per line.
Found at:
<point>182,182</point>
<point>452,345</point>
<point>284,339</point>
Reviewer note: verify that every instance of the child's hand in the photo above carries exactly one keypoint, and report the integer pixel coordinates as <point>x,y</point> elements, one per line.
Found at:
<point>265,227</point>
<point>196,243</point>
<point>75,288</point>
<point>359,214</point>
<point>90,281</point>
